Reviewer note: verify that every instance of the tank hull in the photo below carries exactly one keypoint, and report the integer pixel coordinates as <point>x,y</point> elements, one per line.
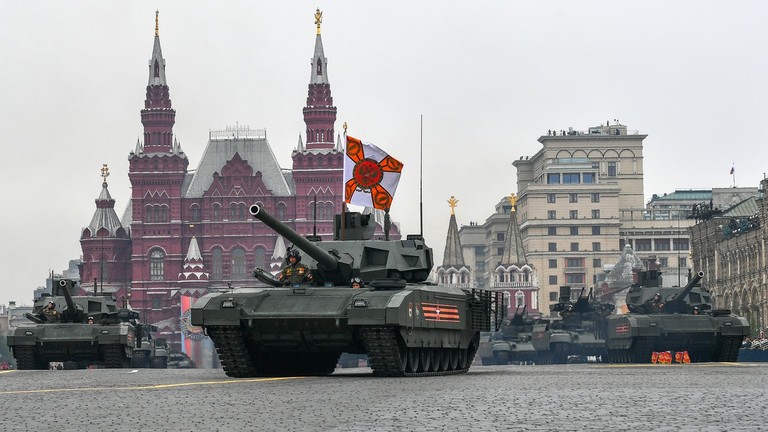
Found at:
<point>708,337</point>
<point>84,344</point>
<point>418,329</point>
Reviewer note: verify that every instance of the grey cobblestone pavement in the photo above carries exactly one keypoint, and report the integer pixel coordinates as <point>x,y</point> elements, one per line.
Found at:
<point>708,397</point>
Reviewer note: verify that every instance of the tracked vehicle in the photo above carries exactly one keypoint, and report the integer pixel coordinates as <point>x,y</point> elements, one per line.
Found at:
<point>580,333</point>
<point>511,344</point>
<point>406,326</point>
<point>672,325</point>
<point>68,338</point>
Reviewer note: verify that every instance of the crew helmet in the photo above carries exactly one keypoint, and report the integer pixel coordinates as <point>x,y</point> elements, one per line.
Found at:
<point>355,280</point>
<point>295,253</point>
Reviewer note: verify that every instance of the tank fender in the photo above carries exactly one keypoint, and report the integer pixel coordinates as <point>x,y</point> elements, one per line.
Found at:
<point>733,326</point>
<point>560,337</point>
<point>503,347</point>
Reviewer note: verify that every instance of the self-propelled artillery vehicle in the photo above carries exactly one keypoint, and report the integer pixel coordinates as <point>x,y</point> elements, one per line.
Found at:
<point>580,332</point>
<point>67,337</point>
<point>406,326</point>
<point>679,319</point>
<point>150,352</point>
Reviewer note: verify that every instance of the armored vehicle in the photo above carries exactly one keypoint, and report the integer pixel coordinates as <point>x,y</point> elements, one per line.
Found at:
<point>67,337</point>
<point>580,332</point>
<point>511,344</point>
<point>406,326</point>
<point>179,360</point>
<point>149,351</point>
<point>681,319</point>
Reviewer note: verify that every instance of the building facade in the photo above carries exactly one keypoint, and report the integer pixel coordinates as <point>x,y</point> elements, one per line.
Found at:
<point>184,231</point>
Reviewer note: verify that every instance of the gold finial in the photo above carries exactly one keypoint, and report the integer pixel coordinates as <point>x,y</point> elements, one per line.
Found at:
<point>157,23</point>
<point>318,19</point>
<point>452,203</point>
<point>104,172</point>
<point>345,128</point>
<point>513,201</point>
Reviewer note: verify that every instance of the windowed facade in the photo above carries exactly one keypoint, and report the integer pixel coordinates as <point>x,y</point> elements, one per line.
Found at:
<point>596,214</point>
<point>588,177</point>
<point>573,198</point>
<point>664,262</point>
<point>611,169</point>
<point>551,230</point>
<point>238,264</point>
<point>553,178</point>
<point>571,178</point>
<point>597,263</point>
<point>500,236</point>
<point>574,247</point>
<point>595,197</point>
<point>216,265</point>
<point>574,230</point>
<point>553,295</point>
<point>553,281</point>
<point>642,245</point>
<point>551,214</point>
<point>552,263</point>
<point>157,265</point>
<point>574,262</point>
<point>596,246</point>
<point>551,198</point>
<point>680,244</point>
<point>661,244</point>
<point>575,278</point>
<point>574,214</point>
<point>552,247</point>
<point>682,262</point>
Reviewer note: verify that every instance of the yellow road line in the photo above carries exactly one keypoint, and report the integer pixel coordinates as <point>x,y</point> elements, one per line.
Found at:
<point>147,387</point>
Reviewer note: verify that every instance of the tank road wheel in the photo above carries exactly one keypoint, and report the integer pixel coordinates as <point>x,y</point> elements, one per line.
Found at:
<point>543,357</point>
<point>234,355</point>
<point>464,359</point>
<point>413,360</point>
<point>728,348</point>
<point>425,358</point>
<point>445,359</point>
<point>453,353</point>
<point>435,359</point>
<point>70,365</point>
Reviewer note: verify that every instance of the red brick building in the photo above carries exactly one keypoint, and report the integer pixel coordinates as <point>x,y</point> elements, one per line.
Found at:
<point>185,232</point>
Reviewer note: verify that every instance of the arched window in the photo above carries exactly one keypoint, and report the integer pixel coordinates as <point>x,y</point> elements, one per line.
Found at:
<point>238,264</point>
<point>216,273</point>
<point>216,212</point>
<point>148,214</point>
<point>156,265</point>
<point>195,213</point>
<point>259,258</point>
<point>519,299</point>
<point>158,214</point>
<point>281,210</point>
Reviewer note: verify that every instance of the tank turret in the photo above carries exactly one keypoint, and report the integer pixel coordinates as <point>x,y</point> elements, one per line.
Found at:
<point>353,252</point>
<point>640,298</point>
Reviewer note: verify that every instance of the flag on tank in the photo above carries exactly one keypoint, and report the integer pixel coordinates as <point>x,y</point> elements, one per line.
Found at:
<point>370,175</point>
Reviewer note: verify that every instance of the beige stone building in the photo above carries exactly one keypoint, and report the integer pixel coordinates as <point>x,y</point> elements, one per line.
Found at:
<point>729,247</point>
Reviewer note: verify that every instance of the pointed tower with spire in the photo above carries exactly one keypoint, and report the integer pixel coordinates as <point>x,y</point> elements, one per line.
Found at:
<point>453,272</point>
<point>157,171</point>
<point>318,160</point>
<point>106,248</point>
<point>513,274</point>
<point>193,279</point>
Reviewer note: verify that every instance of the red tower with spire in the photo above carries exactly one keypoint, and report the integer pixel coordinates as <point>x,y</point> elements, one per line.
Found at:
<point>157,168</point>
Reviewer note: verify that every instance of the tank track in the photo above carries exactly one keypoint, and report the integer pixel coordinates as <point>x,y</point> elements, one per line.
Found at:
<point>386,355</point>
<point>233,352</point>
<point>26,359</point>
<point>729,348</point>
<point>114,356</point>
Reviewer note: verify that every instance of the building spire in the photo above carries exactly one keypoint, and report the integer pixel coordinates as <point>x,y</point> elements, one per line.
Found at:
<point>157,23</point>
<point>514,252</point>
<point>453,256</point>
<point>157,116</point>
<point>319,114</point>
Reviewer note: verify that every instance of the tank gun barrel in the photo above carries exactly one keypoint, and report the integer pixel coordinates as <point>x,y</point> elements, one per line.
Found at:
<point>325,259</point>
<point>680,295</point>
<point>64,289</point>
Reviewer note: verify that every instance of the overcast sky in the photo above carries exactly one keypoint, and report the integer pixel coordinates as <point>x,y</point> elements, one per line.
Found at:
<point>488,77</point>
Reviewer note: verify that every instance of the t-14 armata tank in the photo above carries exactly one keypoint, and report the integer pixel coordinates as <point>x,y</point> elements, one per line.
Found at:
<point>406,326</point>
<point>673,319</point>
<point>62,331</point>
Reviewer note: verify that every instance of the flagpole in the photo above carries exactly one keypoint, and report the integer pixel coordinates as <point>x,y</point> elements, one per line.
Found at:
<point>343,215</point>
<point>421,176</point>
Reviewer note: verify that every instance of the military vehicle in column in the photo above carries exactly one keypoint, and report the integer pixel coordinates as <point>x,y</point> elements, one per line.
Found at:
<point>673,319</point>
<point>406,326</point>
<point>579,334</point>
<point>511,344</point>
<point>60,331</point>
<point>150,352</point>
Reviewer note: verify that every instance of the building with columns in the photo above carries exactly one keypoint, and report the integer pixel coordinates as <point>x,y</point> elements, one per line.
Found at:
<point>184,231</point>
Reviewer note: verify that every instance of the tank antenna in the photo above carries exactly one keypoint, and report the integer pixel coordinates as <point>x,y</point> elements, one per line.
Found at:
<point>314,216</point>
<point>421,177</point>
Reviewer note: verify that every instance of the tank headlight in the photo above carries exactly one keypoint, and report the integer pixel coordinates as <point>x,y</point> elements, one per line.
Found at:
<point>105,332</point>
<point>652,324</point>
<point>28,333</point>
<point>728,324</point>
<point>360,303</point>
<point>228,303</point>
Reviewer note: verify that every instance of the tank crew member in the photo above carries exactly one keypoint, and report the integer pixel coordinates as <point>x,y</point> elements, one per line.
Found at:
<point>90,320</point>
<point>294,271</point>
<point>696,310</point>
<point>49,313</point>
<point>654,305</point>
<point>356,282</point>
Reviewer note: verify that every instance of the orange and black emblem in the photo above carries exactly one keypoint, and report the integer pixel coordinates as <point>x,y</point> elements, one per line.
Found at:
<point>440,312</point>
